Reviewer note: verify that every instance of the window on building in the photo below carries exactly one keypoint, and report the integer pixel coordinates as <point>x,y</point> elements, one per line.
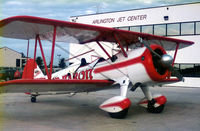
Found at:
<point>173,29</point>
<point>147,29</point>
<point>188,70</point>
<point>135,28</point>
<point>197,27</point>
<point>23,62</point>
<point>160,30</point>
<point>17,62</point>
<point>186,66</point>
<point>124,28</point>
<point>187,28</point>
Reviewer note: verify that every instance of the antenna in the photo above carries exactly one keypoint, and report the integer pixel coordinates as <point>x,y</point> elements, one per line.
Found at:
<point>99,7</point>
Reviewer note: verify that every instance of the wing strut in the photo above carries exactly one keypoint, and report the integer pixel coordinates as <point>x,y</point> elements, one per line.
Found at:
<point>43,57</point>
<point>103,49</point>
<point>27,51</point>
<point>52,50</point>
<point>35,51</point>
<point>37,39</point>
<point>123,51</point>
<point>177,46</point>
<point>175,53</point>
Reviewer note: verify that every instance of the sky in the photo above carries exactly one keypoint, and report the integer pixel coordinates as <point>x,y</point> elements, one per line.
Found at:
<point>63,9</point>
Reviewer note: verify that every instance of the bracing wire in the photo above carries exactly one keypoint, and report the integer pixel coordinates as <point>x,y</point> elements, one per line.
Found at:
<point>109,62</point>
<point>78,58</point>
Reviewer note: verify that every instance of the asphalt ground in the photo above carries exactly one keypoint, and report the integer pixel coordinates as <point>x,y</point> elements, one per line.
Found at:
<point>81,112</point>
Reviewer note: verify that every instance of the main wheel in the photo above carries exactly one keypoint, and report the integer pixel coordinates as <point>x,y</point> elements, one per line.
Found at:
<point>33,99</point>
<point>158,109</point>
<point>152,109</point>
<point>119,115</point>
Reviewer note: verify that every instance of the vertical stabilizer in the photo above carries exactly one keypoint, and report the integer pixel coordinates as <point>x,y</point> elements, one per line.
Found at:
<point>32,71</point>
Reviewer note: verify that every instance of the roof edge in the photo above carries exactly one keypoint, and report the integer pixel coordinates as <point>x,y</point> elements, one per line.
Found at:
<point>137,9</point>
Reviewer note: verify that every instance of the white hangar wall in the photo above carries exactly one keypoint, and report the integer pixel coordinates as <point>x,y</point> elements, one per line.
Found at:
<point>146,16</point>
<point>176,19</point>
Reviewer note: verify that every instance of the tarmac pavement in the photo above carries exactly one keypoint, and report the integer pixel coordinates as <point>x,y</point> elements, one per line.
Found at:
<point>81,112</point>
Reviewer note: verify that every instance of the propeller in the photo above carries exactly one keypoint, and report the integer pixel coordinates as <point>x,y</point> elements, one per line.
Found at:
<point>165,60</point>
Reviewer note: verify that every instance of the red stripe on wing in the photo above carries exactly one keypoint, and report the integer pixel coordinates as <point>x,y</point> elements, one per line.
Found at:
<point>41,81</point>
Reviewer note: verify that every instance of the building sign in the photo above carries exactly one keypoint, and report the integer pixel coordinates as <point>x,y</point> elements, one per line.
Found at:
<point>120,19</point>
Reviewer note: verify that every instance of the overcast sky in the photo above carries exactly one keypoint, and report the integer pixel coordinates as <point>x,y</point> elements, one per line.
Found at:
<point>63,9</point>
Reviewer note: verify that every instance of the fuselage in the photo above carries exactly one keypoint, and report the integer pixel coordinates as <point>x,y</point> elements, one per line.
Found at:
<point>139,66</point>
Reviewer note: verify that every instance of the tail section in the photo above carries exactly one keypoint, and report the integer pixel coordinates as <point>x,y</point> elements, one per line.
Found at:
<point>32,71</point>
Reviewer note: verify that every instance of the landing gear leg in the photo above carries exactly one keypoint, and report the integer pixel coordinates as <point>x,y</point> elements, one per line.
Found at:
<point>117,107</point>
<point>146,91</point>
<point>153,103</point>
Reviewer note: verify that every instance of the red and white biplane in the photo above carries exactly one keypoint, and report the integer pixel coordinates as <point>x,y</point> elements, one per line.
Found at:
<point>142,61</point>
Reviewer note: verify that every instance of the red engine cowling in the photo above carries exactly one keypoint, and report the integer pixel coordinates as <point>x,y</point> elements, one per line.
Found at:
<point>152,64</point>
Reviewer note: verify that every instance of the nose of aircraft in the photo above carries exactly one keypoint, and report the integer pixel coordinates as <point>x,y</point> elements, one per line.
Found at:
<point>166,60</point>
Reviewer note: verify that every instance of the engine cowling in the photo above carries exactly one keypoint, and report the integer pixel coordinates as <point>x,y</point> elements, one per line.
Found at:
<point>153,65</point>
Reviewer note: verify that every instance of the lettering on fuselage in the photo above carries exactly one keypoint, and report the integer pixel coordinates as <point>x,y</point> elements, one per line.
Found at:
<point>82,75</point>
<point>36,73</point>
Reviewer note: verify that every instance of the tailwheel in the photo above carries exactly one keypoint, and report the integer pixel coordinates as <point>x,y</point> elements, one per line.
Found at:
<point>154,108</point>
<point>119,115</point>
<point>33,99</point>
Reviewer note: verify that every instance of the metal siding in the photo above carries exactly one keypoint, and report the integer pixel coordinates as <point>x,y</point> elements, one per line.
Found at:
<point>9,57</point>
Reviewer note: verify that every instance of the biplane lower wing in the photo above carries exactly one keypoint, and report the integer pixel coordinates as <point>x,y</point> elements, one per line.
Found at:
<point>23,86</point>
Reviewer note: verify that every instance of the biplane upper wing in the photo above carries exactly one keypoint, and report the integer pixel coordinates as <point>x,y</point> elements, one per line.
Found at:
<point>27,27</point>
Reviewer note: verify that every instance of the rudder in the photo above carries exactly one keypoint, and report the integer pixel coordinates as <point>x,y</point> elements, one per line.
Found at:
<point>28,70</point>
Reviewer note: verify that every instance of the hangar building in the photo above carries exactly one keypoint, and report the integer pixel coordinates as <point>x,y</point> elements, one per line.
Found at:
<point>177,21</point>
<point>11,58</point>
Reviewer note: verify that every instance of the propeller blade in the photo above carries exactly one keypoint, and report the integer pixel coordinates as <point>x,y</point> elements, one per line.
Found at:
<point>166,62</point>
<point>146,44</point>
<point>176,73</point>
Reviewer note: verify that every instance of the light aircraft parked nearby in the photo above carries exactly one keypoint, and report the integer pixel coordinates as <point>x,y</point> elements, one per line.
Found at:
<point>142,61</point>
